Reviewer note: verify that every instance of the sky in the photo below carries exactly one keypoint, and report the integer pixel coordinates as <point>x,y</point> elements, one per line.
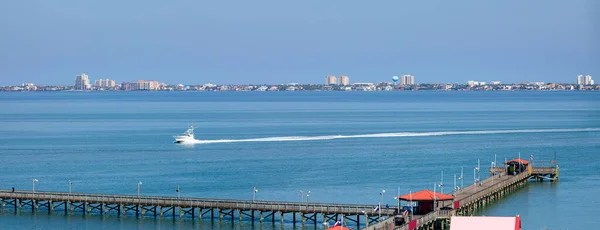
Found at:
<point>277,42</point>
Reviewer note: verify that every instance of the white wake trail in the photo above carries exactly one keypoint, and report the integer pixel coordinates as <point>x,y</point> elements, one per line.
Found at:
<point>384,135</point>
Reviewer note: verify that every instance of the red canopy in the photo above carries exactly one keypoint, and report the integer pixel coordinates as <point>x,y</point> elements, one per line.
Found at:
<point>338,228</point>
<point>518,160</point>
<point>425,195</point>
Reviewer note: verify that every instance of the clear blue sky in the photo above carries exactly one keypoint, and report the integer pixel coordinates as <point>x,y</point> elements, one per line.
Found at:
<point>195,42</point>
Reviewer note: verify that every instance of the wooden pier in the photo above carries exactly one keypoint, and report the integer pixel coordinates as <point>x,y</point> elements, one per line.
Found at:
<point>221,209</point>
<point>472,197</point>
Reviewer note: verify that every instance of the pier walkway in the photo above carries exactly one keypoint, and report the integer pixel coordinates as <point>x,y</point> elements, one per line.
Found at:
<point>471,197</point>
<point>159,206</point>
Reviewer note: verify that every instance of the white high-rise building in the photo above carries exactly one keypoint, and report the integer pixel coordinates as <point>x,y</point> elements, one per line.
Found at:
<point>344,80</point>
<point>407,80</point>
<point>82,82</point>
<point>585,80</point>
<point>330,80</point>
<point>104,83</point>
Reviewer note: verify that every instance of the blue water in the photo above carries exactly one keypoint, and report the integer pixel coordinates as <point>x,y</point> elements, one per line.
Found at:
<point>106,142</point>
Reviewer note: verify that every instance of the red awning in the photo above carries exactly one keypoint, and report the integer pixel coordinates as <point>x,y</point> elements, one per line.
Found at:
<point>518,161</point>
<point>425,195</point>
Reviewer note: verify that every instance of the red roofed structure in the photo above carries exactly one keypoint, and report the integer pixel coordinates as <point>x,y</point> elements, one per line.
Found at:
<point>518,161</point>
<point>425,199</point>
<point>425,195</point>
<point>516,166</point>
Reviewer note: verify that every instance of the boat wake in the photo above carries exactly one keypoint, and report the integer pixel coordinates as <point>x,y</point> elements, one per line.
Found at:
<point>385,135</point>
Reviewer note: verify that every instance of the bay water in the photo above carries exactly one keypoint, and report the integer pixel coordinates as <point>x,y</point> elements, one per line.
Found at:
<point>343,147</point>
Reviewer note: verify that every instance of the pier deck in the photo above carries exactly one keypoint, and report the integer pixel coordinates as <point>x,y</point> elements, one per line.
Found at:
<point>471,197</point>
<point>313,213</point>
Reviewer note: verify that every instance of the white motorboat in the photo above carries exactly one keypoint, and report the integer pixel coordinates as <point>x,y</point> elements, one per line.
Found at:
<point>188,136</point>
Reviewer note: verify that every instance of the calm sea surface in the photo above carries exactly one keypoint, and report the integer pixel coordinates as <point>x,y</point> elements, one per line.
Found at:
<point>345,147</point>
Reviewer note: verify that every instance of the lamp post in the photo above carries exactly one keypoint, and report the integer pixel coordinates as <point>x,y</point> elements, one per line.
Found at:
<point>478,172</point>
<point>411,205</point>
<point>178,192</point>
<point>475,178</point>
<point>307,196</point>
<point>434,200</point>
<point>381,202</point>
<point>398,198</point>
<point>455,188</point>
<point>139,185</point>
<point>442,183</point>
<point>493,166</point>
<point>254,193</point>
<point>33,185</point>
<point>461,177</point>
<point>70,183</point>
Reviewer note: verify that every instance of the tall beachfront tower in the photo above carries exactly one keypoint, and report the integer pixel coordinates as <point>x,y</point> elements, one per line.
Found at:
<point>82,82</point>
<point>343,80</point>
<point>407,80</point>
<point>330,80</point>
<point>585,80</point>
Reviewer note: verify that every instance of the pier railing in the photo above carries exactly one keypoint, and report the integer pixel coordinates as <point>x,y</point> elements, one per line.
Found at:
<point>484,192</point>
<point>304,207</point>
<point>465,199</point>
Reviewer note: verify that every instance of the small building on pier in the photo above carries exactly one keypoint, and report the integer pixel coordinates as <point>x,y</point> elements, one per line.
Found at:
<point>516,166</point>
<point>425,200</point>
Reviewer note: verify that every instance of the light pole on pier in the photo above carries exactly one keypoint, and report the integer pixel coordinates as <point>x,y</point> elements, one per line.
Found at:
<point>461,178</point>
<point>70,183</point>
<point>493,166</point>
<point>442,183</point>
<point>178,192</point>
<point>33,185</point>
<point>254,193</point>
<point>381,202</point>
<point>434,197</point>
<point>139,185</point>
<point>478,172</point>
<point>307,196</point>
<point>455,188</point>
<point>398,198</point>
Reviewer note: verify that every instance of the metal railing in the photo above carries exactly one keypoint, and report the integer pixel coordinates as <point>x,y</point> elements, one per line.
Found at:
<point>351,209</point>
<point>474,197</point>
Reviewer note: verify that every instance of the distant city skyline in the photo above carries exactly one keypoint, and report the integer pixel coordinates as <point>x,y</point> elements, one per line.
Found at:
<point>274,42</point>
